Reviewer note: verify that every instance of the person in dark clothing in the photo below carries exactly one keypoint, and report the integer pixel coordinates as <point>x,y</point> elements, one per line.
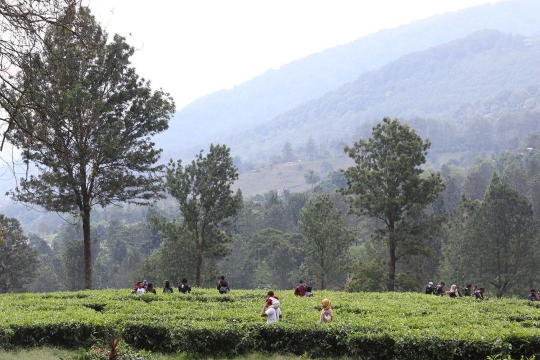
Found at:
<point>429,288</point>
<point>479,294</point>
<point>223,285</point>
<point>167,287</point>
<point>533,296</point>
<point>439,290</point>
<point>150,288</point>
<point>184,287</point>
<point>468,290</point>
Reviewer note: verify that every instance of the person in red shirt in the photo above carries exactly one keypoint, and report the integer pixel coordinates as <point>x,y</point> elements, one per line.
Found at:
<point>300,290</point>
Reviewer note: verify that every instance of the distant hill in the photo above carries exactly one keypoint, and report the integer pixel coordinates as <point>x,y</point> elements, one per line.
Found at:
<point>432,83</point>
<point>216,116</point>
<point>289,176</point>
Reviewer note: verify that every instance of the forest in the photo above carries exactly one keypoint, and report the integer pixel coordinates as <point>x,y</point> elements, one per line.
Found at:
<point>268,243</point>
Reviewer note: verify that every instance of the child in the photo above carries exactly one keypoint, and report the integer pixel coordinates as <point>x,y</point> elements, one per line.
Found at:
<point>327,314</point>
<point>272,301</point>
<point>308,292</point>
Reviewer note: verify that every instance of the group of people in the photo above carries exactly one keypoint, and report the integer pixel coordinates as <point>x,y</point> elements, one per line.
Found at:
<point>142,287</point>
<point>303,290</point>
<point>469,290</point>
<point>272,309</point>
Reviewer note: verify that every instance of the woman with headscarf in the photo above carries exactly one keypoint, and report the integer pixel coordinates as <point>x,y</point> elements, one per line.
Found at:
<point>167,287</point>
<point>327,314</point>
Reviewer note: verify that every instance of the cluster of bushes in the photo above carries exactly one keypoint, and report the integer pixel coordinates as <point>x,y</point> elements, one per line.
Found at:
<point>374,325</point>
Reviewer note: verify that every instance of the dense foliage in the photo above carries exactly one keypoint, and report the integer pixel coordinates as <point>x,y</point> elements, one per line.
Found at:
<point>388,184</point>
<point>205,323</point>
<point>90,137</point>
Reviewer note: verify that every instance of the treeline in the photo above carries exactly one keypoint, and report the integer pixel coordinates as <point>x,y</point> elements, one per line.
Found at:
<point>273,241</point>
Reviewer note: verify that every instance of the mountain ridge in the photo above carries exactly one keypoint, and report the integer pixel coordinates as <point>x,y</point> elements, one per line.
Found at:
<point>215,117</point>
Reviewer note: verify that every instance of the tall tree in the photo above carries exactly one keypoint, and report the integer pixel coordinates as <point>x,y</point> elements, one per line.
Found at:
<point>311,148</point>
<point>312,177</point>
<point>388,182</point>
<point>326,241</point>
<point>203,190</point>
<point>92,146</point>
<point>18,261</point>
<point>279,251</point>
<point>23,25</point>
<point>287,152</point>
<point>506,229</point>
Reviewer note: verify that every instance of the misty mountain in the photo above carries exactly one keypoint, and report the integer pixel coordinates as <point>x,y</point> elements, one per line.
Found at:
<point>436,83</point>
<point>226,112</point>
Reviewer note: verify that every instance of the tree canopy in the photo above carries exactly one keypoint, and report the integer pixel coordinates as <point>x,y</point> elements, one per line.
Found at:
<point>203,191</point>
<point>389,184</point>
<point>91,146</point>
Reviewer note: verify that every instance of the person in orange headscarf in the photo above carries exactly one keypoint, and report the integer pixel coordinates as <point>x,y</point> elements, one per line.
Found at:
<point>327,314</point>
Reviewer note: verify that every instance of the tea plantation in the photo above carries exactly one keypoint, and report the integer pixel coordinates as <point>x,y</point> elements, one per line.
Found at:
<point>204,323</point>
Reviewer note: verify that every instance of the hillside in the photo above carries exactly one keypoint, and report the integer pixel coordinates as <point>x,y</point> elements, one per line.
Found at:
<point>226,112</point>
<point>437,81</point>
<point>289,176</point>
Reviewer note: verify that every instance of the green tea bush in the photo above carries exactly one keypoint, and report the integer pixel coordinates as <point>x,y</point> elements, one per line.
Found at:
<point>367,326</point>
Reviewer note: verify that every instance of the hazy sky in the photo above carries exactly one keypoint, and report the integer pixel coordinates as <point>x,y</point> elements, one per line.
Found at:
<point>193,48</point>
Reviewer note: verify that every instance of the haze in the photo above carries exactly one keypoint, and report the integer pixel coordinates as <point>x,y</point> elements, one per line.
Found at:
<point>192,49</point>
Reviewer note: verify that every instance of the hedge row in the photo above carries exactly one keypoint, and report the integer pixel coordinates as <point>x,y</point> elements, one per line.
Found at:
<point>370,326</point>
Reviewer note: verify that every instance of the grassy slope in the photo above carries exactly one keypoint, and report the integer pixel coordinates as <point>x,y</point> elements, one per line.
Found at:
<point>288,176</point>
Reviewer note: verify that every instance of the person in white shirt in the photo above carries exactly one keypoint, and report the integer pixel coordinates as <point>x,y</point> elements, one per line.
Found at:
<point>140,291</point>
<point>272,315</point>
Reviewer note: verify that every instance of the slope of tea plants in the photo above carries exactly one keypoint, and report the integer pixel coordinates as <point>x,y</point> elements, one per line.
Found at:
<point>367,325</point>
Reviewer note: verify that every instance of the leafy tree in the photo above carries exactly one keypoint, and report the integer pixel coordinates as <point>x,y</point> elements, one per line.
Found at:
<point>312,177</point>
<point>388,183</point>
<point>18,261</point>
<point>326,167</point>
<point>475,185</point>
<point>515,176</point>
<point>505,229</point>
<point>451,194</point>
<point>295,203</point>
<point>22,29</point>
<point>287,152</point>
<point>250,219</point>
<point>326,241</point>
<point>368,275</point>
<point>311,148</point>
<point>535,196</point>
<point>174,260</point>
<point>279,251</point>
<point>237,265</point>
<point>92,146</point>
<point>456,262</point>
<point>203,190</point>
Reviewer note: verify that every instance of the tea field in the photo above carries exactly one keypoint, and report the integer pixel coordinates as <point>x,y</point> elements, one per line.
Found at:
<point>204,323</point>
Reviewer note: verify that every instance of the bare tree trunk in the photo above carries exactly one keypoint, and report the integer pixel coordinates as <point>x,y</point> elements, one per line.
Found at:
<point>392,263</point>
<point>322,275</point>
<point>200,256</point>
<point>87,249</point>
